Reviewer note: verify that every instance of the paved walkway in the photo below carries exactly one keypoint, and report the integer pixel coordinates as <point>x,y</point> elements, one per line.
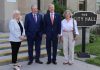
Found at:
<point>78,65</point>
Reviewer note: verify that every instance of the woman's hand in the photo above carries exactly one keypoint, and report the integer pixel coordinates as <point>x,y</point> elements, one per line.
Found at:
<point>76,38</point>
<point>22,37</point>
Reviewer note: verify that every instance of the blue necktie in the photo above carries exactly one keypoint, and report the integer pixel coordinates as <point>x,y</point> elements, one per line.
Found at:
<point>35,17</point>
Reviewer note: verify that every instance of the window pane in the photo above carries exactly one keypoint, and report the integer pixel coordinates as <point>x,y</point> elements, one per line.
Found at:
<point>98,6</point>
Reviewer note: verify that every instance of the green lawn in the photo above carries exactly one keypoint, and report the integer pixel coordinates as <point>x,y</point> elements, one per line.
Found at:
<point>94,49</point>
<point>94,61</point>
<point>91,48</point>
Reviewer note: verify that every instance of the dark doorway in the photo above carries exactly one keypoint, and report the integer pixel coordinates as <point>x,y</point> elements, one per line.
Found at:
<point>83,5</point>
<point>39,4</point>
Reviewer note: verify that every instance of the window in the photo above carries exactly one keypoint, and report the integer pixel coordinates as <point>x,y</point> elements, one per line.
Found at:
<point>62,2</point>
<point>98,6</point>
<point>82,6</point>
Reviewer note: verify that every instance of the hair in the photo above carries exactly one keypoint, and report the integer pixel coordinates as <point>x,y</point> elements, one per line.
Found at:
<point>51,5</point>
<point>33,6</point>
<point>67,12</point>
<point>16,12</point>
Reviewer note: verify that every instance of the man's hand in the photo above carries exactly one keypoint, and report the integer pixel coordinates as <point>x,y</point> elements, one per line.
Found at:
<point>60,39</point>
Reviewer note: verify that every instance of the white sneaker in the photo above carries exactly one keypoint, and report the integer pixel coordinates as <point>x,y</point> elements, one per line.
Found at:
<point>17,65</point>
<point>16,68</point>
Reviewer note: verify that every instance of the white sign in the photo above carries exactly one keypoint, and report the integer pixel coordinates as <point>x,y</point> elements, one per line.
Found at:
<point>11,0</point>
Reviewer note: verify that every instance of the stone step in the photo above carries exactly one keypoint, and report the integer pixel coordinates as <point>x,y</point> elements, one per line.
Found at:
<point>23,49</point>
<point>7,45</point>
<point>21,57</point>
<point>4,35</point>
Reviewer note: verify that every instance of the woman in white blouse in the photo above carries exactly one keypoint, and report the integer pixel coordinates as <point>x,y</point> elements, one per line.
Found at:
<point>68,25</point>
<point>17,34</point>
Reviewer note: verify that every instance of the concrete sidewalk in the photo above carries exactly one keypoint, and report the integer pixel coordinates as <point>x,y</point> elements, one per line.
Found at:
<point>78,65</point>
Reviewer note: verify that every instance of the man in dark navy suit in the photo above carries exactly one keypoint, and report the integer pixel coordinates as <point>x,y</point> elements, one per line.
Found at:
<point>52,29</point>
<point>33,29</point>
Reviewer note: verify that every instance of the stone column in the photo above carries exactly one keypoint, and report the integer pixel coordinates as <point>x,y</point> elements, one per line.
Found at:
<point>6,9</point>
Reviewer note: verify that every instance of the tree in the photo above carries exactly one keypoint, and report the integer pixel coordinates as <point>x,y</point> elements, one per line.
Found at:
<point>59,8</point>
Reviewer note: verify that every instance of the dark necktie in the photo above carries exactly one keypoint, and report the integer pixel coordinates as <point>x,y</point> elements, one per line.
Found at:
<point>35,18</point>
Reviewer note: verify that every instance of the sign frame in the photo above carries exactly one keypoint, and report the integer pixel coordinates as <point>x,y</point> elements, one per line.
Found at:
<point>87,12</point>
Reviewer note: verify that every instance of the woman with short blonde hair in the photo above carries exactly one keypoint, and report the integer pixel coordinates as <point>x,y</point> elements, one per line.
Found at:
<point>68,26</point>
<point>17,34</point>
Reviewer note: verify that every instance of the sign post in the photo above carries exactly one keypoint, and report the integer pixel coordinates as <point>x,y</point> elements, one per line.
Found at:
<point>84,19</point>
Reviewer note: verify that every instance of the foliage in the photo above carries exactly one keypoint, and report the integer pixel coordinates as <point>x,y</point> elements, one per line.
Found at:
<point>58,7</point>
<point>93,34</point>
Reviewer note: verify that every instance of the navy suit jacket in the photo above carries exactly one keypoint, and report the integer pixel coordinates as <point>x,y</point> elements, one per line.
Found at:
<point>31,27</point>
<point>50,29</point>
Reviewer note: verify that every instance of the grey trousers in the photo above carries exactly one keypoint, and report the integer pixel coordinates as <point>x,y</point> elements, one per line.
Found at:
<point>68,46</point>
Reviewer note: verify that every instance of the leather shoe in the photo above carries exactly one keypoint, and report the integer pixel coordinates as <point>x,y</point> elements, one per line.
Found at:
<point>39,62</point>
<point>48,62</point>
<point>54,62</point>
<point>29,63</point>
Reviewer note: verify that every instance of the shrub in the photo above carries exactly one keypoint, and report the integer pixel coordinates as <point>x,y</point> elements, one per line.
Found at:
<point>92,38</point>
<point>59,8</point>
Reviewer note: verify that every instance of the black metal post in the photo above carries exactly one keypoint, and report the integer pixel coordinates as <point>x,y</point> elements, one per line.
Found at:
<point>83,54</point>
<point>83,39</point>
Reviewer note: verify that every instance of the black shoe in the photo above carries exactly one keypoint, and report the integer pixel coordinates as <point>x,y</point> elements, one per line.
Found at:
<point>54,62</point>
<point>48,62</point>
<point>29,63</point>
<point>39,62</point>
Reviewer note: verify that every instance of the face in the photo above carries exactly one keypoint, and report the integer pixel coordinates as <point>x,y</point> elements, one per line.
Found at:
<point>51,8</point>
<point>68,15</point>
<point>17,16</point>
<point>34,9</point>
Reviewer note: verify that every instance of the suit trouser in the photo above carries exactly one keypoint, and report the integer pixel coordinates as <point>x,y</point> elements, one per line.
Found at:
<point>51,46</point>
<point>68,46</point>
<point>15,48</point>
<point>31,42</point>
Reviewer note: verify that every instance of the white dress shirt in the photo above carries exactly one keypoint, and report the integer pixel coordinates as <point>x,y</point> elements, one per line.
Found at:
<point>52,14</point>
<point>15,31</point>
<point>68,26</point>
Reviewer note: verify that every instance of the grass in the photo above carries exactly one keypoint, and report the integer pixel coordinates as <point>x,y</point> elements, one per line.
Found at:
<point>94,61</point>
<point>91,48</point>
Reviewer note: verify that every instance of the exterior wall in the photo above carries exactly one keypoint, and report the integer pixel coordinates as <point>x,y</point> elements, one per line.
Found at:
<point>91,5</point>
<point>79,41</point>
<point>72,4</point>
<point>25,6</point>
<point>9,8</point>
<point>44,4</point>
<point>2,15</point>
<point>6,9</point>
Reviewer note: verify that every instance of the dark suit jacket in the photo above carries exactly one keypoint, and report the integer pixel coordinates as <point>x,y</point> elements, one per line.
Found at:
<point>49,28</point>
<point>31,27</point>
